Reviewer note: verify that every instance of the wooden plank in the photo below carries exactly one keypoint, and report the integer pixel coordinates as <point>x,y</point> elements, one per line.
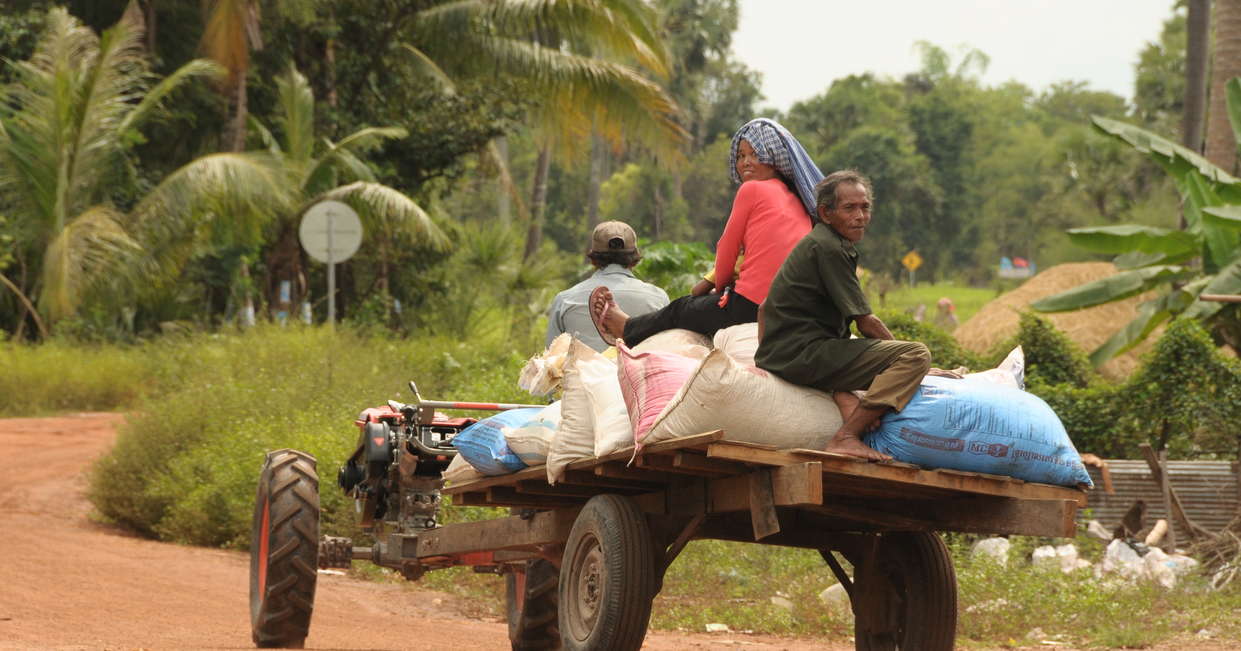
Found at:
<point>852,467</point>
<point>689,461</point>
<point>536,487</point>
<point>762,505</point>
<point>619,471</point>
<point>589,478</point>
<point>498,480</point>
<point>508,496</point>
<point>543,528</point>
<point>796,485</point>
<point>989,515</point>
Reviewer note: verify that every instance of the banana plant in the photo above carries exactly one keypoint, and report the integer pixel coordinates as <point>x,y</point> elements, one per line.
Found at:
<point>1205,258</point>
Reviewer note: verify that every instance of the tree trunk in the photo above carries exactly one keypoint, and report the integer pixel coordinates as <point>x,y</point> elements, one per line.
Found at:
<point>1196,48</point>
<point>657,227</point>
<point>538,201</point>
<point>284,264</point>
<point>504,204</point>
<point>236,137</point>
<point>1221,145</point>
<point>598,162</point>
<point>150,26</point>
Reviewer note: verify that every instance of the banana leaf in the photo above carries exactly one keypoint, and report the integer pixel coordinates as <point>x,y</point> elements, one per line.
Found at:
<point>1221,243</point>
<point>1113,288</point>
<point>1227,281</point>
<point>1150,315</point>
<point>1125,238</point>
<point>1228,216</point>
<point>1137,259</point>
<point>1162,151</point>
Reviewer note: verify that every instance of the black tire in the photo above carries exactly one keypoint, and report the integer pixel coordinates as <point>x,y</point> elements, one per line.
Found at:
<point>919,586</point>
<point>284,550</point>
<point>533,598</point>
<point>607,577</point>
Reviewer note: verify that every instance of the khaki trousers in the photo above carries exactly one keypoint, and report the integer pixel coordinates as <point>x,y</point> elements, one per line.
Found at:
<point>889,371</point>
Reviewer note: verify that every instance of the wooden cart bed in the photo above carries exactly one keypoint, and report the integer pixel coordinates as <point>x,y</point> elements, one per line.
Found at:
<point>706,474</point>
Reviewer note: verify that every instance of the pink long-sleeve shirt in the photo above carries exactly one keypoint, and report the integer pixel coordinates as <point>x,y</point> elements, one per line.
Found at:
<point>767,221</point>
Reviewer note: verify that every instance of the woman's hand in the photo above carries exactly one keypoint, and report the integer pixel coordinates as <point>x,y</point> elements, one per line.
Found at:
<point>703,288</point>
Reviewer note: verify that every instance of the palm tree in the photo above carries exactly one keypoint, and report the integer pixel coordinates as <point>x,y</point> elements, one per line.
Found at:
<point>232,30</point>
<point>583,59</point>
<point>66,125</point>
<point>254,196</point>
<point>1221,145</point>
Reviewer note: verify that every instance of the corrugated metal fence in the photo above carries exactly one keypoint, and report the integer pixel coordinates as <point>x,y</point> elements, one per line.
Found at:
<point>1210,492</point>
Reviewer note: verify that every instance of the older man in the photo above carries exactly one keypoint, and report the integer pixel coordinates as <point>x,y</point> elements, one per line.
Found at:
<point>804,323</point>
<point>613,251</point>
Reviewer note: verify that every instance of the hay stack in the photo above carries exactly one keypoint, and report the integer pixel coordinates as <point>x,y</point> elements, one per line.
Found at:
<point>1088,328</point>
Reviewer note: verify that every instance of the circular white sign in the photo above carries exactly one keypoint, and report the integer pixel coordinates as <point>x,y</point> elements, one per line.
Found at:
<point>330,231</point>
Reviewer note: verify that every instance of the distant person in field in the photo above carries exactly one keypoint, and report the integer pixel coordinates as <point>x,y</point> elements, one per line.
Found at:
<point>613,251</point>
<point>772,210</point>
<point>946,314</point>
<point>803,325</point>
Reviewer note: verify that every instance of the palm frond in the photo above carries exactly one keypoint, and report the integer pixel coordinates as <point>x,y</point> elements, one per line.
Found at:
<point>425,66</point>
<point>156,95</point>
<point>342,156</point>
<point>90,245</point>
<point>385,206</point>
<point>297,114</point>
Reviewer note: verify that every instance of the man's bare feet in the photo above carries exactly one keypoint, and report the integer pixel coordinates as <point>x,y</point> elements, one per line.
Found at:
<point>607,316</point>
<point>849,444</point>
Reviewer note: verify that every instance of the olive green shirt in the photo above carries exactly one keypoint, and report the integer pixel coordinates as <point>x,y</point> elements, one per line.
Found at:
<point>812,301</point>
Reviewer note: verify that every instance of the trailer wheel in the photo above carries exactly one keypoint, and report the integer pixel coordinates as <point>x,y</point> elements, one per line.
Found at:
<point>533,597</point>
<point>284,550</point>
<point>607,577</point>
<point>908,600</point>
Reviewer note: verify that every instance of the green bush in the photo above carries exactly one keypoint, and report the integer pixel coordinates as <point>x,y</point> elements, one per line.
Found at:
<point>946,353</point>
<point>184,469</point>
<point>60,376</point>
<point>1051,357</point>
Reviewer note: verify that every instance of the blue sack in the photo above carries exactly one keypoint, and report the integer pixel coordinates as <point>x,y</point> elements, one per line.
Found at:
<point>484,446</point>
<point>978,426</point>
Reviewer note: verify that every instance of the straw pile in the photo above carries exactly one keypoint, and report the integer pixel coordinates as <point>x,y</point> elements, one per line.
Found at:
<point>1088,328</point>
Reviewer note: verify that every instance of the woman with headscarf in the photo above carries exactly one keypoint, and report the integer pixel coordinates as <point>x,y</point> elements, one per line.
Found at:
<point>773,209</point>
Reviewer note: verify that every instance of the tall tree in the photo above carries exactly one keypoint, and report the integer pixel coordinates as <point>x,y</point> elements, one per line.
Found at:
<point>261,195</point>
<point>232,31</point>
<point>1197,25</point>
<point>66,126</point>
<point>1221,145</point>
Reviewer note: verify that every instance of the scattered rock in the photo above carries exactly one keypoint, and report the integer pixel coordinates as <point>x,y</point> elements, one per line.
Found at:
<point>836,596</point>
<point>994,548</point>
<point>783,602</point>
<point>718,628</point>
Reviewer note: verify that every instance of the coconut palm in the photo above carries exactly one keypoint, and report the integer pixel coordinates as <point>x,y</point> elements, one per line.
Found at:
<point>66,125</point>
<point>583,59</point>
<point>259,196</point>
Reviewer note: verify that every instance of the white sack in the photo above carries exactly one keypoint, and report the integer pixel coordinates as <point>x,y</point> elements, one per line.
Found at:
<point>532,441</point>
<point>750,405</point>
<point>739,341</point>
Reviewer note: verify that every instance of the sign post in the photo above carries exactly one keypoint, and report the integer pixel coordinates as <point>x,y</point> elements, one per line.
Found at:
<point>330,232</point>
<point>911,261</point>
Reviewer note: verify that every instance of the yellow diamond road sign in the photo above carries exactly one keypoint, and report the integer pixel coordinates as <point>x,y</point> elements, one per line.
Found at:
<point>912,261</point>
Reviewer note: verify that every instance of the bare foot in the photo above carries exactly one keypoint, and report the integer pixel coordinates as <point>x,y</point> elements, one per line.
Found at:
<point>850,444</point>
<point>607,316</point>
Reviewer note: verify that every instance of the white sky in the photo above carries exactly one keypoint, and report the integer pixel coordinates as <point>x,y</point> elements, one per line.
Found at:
<point>800,46</point>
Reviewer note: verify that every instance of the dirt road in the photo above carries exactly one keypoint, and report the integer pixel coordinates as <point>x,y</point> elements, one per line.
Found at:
<point>67,582</point>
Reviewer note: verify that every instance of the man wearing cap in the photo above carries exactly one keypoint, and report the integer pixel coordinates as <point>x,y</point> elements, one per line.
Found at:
<point>613,251</point>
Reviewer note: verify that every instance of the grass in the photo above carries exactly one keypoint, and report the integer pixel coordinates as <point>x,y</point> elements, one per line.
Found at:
<point>968,300</point>
<point>207,408</point>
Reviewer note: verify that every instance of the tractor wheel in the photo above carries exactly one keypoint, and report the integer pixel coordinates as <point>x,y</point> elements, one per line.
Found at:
<point>607,577</point>
<point>908,600</point>
<point>284,549</point>
<point>532,598</point>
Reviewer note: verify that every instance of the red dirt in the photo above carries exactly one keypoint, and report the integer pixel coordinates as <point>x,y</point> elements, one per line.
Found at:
<point>68,582</point>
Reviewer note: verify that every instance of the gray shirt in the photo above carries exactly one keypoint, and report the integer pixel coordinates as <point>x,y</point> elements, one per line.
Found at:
<point>571,313</point>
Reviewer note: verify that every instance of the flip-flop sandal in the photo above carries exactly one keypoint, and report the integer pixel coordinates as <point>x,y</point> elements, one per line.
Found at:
<point>597,319</point>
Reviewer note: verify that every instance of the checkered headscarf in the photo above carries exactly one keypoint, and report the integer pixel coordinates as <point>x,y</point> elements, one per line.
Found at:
<point>776,147</point>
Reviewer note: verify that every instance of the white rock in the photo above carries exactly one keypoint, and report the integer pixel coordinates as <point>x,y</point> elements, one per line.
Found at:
<point>1067,555</point>
<point>717,628</point>
<point>1045,557</point>
<point>1096,530</point>
<point>783,602</point>
<point>995,548</point>
<point>836,596</point>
